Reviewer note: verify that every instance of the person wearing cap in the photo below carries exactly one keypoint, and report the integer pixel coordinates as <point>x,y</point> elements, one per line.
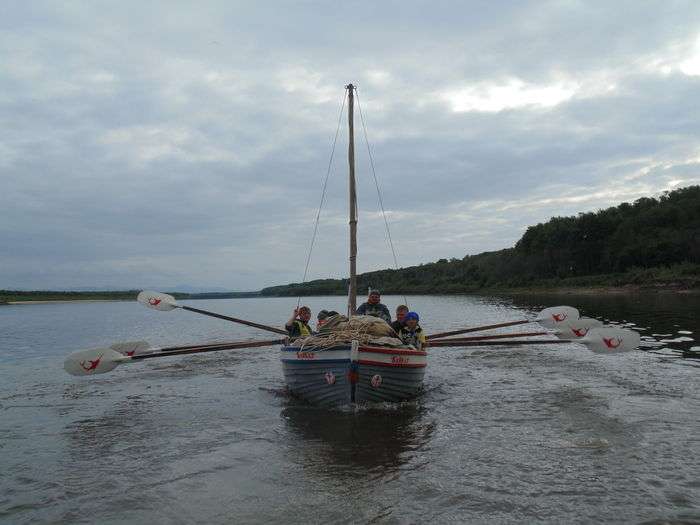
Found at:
<point>410,333</point>
<point>401,312</point>
<point>323,317</point>
<point>374,307</point>
<point>298,324</point>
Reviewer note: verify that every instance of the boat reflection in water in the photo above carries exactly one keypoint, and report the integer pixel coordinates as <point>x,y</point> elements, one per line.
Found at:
<point>381,437</point>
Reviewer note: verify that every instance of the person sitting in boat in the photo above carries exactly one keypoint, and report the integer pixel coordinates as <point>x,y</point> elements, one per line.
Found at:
<point>298,324</point>
<point>321,319</point>
<point>374,307</point>
<point>410,333</point>
<point>401,311</point>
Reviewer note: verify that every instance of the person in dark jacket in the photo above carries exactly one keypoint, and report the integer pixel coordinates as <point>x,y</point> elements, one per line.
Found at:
<point>374,307</point>
<point>298,324</point>
<point>323,317</point>
<point>401,312</point>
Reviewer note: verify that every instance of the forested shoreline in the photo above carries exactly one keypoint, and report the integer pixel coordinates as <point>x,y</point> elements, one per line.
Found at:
<point>651,243</point>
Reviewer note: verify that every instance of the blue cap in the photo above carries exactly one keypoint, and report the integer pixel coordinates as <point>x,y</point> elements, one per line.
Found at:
<point>411,315</point>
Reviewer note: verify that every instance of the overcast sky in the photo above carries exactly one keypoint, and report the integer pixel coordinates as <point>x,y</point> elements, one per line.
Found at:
<point>159,144</point>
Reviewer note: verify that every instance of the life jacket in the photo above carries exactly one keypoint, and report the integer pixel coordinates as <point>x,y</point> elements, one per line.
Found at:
<point>414,338</point>
<point>300,329</point>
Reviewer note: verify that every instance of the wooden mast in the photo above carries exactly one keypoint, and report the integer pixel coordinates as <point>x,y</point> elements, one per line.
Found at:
<point>352,288</point>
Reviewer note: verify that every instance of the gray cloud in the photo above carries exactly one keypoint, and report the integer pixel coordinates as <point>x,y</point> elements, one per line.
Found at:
<point>164,144</point>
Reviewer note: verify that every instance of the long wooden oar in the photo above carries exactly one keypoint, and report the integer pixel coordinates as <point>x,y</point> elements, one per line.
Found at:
<point>508,342</point>
<point>601,340</point>
<point>549,318</point>
<point>134,347</point>
<point>165,302</point>
<point>442,335</point>
<point>103,360</point>
<point>487,337</point>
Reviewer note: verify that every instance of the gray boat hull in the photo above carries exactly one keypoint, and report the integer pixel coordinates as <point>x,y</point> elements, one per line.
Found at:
<point>342,375</point>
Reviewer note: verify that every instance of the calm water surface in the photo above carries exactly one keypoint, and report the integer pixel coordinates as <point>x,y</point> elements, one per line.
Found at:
<point>509,435</point>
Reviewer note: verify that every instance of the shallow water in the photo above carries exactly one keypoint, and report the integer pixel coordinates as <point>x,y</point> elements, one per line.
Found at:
<point>511,435</point>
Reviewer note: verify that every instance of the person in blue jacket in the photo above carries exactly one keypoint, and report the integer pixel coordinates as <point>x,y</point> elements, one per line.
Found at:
<point>411,333</point>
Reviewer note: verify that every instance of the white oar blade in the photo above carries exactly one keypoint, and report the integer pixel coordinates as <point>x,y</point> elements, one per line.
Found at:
<point>611,340</point>
<point>129,348</point>
<point>91,362</point>
<point>556,315</point>
<point>157,300</point>
<point>577,328</point>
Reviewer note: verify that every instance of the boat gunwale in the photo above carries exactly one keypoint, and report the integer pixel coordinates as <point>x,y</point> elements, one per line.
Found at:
<point>367,349</point>
<point>394,365</point>
<point>402,351</point>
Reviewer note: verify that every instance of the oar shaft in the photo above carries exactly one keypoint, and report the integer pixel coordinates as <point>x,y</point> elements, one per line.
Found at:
<point>498,336</point>
<point>516,342</point>
<point>203,349</point>
<point>475,329</point>
<point>235,320</point>
<point>207,345</point>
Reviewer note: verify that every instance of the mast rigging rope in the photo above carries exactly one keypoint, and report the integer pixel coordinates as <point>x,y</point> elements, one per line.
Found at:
<point>323,195</point>
<point>376,183</point>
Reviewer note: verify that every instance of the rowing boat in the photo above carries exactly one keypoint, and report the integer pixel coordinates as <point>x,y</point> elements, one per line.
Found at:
<point>351,372</point>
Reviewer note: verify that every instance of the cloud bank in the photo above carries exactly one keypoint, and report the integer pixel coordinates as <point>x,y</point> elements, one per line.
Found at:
<point>175,144</point>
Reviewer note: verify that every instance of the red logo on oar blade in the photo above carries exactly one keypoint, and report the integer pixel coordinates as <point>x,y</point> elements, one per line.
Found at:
<point>129,354</point>
<point>612,342</point>
<point>559,317</point>
<point>92,364</point>
<point>153,301</point>
<point>580,332</point>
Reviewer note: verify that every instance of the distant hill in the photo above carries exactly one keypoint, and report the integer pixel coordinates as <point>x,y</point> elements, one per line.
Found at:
<point>651,242</point>
<point>7,296</point>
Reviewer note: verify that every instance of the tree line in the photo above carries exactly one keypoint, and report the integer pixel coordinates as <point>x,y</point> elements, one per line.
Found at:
<point>650,241</point>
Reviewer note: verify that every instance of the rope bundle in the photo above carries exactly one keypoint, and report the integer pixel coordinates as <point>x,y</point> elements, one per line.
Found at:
<point>340,330</point>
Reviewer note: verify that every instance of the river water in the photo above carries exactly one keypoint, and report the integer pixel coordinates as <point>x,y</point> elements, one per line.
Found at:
<point>547,434</point>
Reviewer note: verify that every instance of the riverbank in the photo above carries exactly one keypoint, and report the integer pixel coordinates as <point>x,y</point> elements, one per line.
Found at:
<point>39,296</point>
<point>9,297</point>
<point>563,287</point>
<point>67,301</point>
<point>446,278</point>
<point>593,290</point>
